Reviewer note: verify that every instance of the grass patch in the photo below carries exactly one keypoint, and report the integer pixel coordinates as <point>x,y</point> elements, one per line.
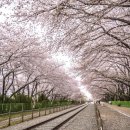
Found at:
<point>121,103</point>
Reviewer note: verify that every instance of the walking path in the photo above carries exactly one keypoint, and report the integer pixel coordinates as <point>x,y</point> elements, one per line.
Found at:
<point>114,118</point>
<point>123,110</point>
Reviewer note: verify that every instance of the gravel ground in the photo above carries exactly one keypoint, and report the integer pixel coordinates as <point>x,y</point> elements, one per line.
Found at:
<point>123,110</point>
<point>113,120</point>
<point>85,120</point>
<point>30,123</point>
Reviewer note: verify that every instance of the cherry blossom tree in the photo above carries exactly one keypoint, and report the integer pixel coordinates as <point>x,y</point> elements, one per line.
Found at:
<point>96,31</point>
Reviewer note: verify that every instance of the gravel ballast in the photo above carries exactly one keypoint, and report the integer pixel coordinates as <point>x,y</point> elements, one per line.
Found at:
<point>85,120</point>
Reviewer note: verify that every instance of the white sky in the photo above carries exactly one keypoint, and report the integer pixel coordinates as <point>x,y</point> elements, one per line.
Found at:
<point>63,59</point>
<point>68,64</point>
<point>6,12</point>
<point>83,89</point>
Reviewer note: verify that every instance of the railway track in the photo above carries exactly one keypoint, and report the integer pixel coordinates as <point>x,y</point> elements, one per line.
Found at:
<point>56,122</point>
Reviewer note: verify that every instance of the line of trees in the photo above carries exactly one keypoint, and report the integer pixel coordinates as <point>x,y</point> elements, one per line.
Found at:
<point>27,70</point>
<point>98,33</point>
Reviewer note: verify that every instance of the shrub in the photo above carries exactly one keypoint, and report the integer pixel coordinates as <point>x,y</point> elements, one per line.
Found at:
<point>119,104</point>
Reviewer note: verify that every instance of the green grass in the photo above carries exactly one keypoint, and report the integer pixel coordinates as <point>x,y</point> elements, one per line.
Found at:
<point>121,103</point>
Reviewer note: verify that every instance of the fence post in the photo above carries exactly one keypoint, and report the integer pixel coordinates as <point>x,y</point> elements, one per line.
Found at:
<point>39,110</point>
<point>67,105</point>
<point>32,110</point>
<point>9,115</point>
<point>56,107</point>
<point>52,108</point>
<point>2,107</point>
<point>59,106</point>
<point>45,108</point>
<point>22,112</point>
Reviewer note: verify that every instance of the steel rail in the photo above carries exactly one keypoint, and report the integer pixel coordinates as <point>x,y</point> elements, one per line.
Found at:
<point>63,122</point>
